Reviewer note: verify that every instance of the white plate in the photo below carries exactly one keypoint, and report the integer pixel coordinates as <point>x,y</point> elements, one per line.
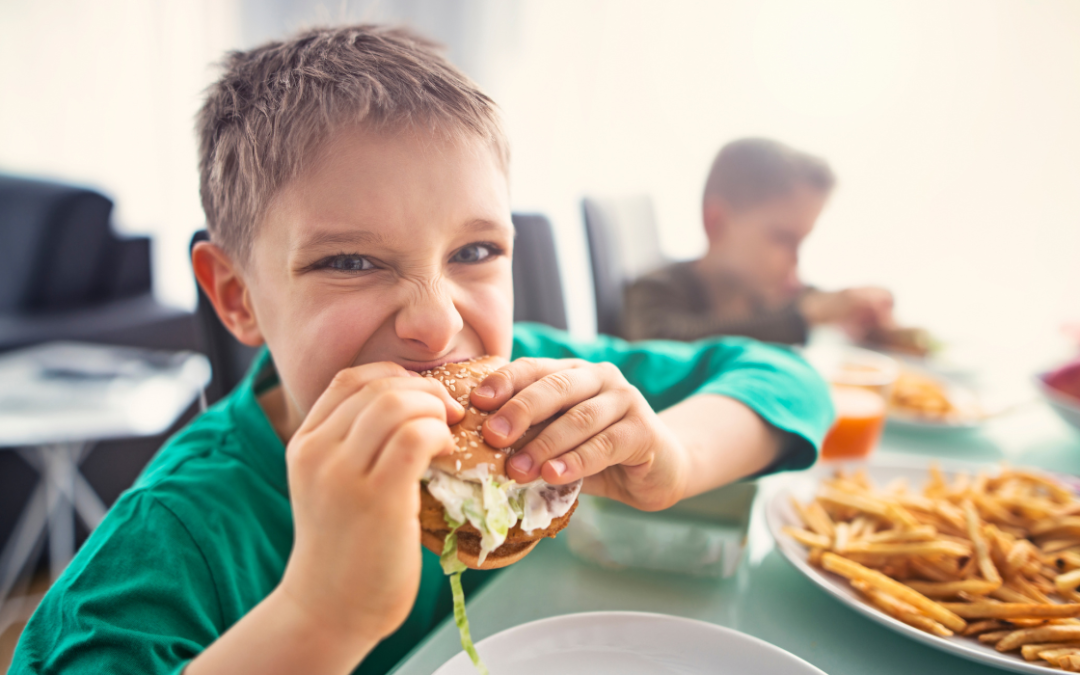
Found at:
<point>779,512</point>
<point>627,643</point>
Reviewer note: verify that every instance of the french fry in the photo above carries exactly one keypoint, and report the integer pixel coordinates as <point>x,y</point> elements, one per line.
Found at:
<point>949,589</point>
<point>982,555</point>
<point>808,539</point>
<point>1068,581</point>
<point>992,637</point>
<point>854,571</point>
<point>1031,652</point>
<point>1025,636</point>
<point>922,548</point>
<point>979,627</point>
<point>900,610</point>
<point>1011,610</point>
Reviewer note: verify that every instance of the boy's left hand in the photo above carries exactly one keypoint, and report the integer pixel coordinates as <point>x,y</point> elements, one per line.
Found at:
<point>608,434</point>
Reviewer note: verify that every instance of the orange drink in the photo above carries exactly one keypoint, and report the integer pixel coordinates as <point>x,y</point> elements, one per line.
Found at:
<point>860,417</point>
<point>860,382</point>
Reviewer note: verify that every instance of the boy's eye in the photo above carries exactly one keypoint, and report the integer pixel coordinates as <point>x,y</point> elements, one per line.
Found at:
<point>474,253</point>
<point>348,263</point>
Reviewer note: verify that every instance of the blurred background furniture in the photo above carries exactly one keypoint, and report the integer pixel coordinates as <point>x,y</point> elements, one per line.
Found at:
<point>56,401</point>
<point>538,296</point>
<point>538,290</point>
<point>623,245</point>
<point>66,275</point>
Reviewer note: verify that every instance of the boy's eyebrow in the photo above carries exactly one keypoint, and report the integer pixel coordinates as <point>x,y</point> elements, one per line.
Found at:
<point>325,238</point>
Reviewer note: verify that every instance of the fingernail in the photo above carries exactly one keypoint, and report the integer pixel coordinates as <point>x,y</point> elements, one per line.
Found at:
<point>558,466</point>
<point>522,462</point>
<point>484,391</point>
<point>499,425</point>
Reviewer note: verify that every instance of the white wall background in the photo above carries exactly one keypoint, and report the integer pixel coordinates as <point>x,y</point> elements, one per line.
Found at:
<point>954,124</point>
<point>954,127</point>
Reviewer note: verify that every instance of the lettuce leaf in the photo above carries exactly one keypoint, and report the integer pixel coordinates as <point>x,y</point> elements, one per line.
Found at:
<point>453,567</point>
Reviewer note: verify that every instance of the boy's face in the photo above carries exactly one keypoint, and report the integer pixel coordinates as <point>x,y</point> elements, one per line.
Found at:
<point>388,248</point>
<point>759,245</point>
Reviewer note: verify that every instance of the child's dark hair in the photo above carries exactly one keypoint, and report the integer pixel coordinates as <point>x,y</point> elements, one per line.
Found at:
<point>751,171</point>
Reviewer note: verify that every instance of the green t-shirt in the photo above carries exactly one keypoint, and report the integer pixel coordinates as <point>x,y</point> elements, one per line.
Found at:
<point>204,534</point>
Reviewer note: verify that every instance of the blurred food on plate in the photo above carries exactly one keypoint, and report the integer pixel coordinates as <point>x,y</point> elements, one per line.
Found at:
<point>913,341</point>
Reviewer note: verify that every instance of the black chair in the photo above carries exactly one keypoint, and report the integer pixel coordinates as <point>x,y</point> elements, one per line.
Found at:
<point>65,275</point>
<point>623,245</point>
<point>538,296</point>
<point>538,291</point>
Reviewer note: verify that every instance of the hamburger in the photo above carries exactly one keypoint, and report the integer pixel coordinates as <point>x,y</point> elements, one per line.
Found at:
<point>466,496</point>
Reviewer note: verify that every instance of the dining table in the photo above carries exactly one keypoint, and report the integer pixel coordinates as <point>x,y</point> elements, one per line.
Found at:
<point>767,597</point>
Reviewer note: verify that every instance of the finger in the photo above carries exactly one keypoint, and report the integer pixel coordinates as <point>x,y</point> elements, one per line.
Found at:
<point>543,398</point>
<point>612,446</point>
<point>342,421</point>
<point>338,423</point>
<point>409,450</point>
<point>569,431</point>
<point>346,383</point>
<point>497,388</point>
<point>372,429</point>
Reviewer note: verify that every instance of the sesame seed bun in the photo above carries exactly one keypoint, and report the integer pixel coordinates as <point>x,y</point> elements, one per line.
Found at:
<point>472,451</point>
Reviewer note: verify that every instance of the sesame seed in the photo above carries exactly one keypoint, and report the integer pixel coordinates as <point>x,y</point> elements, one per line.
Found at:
<point>462,433</point>
<point>472,444</point>
<point>468,455</point>
<point>458,465</point>
<point>498,455</point>
<point>453,388</point>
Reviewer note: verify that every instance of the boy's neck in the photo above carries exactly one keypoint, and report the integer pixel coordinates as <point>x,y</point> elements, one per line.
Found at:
<point>282,417</point>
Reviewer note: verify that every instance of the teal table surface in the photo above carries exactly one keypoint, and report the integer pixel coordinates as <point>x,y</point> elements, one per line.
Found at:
<point>767,597</point>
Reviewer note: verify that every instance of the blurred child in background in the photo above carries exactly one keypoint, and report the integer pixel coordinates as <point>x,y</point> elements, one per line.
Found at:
<point>762,199</point>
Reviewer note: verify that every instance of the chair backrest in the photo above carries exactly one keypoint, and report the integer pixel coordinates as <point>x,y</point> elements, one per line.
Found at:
<point>623,245</point>
<point>538,291</point>
<point>58,252</point>
<point>538,296</point>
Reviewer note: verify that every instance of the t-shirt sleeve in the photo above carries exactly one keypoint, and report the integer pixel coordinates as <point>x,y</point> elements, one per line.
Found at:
<point>138,598</point>
<point>773,381</point>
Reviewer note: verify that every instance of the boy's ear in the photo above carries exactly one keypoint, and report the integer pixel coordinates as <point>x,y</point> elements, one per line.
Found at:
<point>714,215</point>
<point>219,278</point>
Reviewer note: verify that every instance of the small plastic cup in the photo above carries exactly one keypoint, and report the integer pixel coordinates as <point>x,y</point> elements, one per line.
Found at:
<point>860,381</point>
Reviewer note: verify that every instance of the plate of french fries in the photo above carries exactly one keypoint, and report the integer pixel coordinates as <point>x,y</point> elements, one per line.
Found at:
<point>924,400</point>
<point>980,562</point>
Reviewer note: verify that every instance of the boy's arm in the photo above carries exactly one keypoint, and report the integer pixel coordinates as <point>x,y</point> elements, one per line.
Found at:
<point>354,469</point>
<point>282,636</point>
<point>730,408</point>
<point>724,439</point>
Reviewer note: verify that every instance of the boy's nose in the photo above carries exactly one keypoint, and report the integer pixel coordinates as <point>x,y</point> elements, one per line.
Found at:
<point>430,319</point>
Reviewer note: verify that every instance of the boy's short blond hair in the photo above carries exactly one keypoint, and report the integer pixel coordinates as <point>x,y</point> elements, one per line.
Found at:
<point>275,105</point>
<point>751,171</point>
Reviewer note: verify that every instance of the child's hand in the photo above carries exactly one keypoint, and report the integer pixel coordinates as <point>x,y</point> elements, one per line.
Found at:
<point>608,434</point>
<point>354,468</point>
<point>858,310</point>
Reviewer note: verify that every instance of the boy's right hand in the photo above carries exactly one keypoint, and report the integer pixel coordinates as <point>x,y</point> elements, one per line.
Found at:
<point>354,468</point>
<point>858,310</point>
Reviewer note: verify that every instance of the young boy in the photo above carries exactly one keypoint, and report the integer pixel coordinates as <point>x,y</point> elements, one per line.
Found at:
<point>761,201</point>
<point>355,186</point>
